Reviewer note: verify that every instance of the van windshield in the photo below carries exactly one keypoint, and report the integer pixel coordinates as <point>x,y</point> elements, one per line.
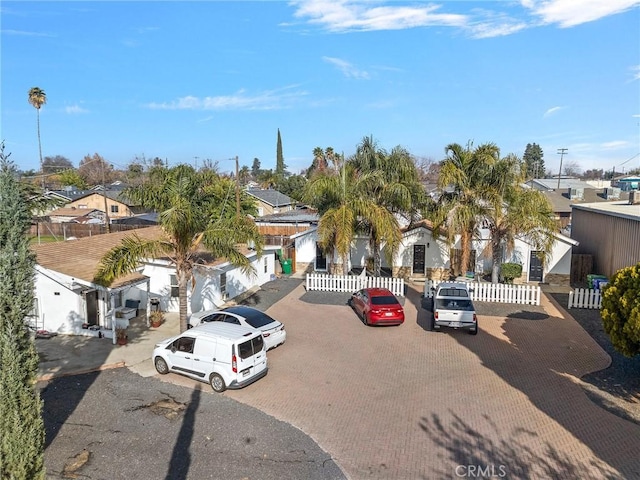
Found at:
<point>251,347</point>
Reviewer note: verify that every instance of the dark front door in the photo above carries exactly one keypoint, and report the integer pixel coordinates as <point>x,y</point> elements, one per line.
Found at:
<point>321,260</point>
<point>535,267</point>
<point>91,299</point>
<point>418,259</point>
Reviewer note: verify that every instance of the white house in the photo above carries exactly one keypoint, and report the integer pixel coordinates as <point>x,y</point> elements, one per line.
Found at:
<point>421,255</point>
<point>68,300</point>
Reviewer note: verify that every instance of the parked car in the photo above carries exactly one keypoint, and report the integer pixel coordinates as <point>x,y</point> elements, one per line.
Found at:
<point>225,355</point>
<point>272,330</point>
<point>377,306</point>
<point>452,307</point>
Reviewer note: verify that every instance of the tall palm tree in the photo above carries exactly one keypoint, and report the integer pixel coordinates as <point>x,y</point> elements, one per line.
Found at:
<point>37,98</point>
<point>515,211</point>
<point>461,206</point>
<point>398,190</point>
<point>196,215</point>
<point>344,206</point>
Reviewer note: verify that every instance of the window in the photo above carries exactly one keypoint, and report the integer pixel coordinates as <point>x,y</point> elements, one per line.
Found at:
<point>114,208</point>
<point>183,344</point>
<point>223,285</point>
<point>173,280</point>
<point>117,298</point>
<point>266,264</point>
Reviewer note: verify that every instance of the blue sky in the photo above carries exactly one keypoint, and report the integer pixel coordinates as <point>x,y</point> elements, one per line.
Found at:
<point>188,81</point>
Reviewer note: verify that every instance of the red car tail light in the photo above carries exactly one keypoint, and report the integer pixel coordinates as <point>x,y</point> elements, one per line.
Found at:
<point>234,364</point>
<point>475,319</point>
<point>265,335</point>
<point>435,315</point>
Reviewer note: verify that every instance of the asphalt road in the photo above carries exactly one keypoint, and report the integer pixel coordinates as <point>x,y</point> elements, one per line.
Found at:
<point>117,425</point>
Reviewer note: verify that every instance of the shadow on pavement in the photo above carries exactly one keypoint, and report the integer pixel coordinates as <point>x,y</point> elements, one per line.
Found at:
<point>181,456</point>
<point>479,456</point>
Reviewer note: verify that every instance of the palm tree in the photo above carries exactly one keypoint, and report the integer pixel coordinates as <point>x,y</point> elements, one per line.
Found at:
<point>460,206</point>
<point>196,215</point>
<point>398,190</point>
<point>516,211</point>
<point>344,206</point>
<point>37,98</point>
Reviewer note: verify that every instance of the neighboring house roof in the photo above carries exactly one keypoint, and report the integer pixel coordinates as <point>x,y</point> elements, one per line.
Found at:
<point>80,258</point>
<point>291,216</point>
<point>271,197</point>
<point>74,212</point>
<point>142,219</point>
<point>614,209</point>
<point>552,183</point>
<point>561,202</point>
<point>115,195</point>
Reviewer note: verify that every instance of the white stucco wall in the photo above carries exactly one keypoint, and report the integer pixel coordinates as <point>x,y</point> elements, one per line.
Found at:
<point>60,309</point>
<point>436,251</point>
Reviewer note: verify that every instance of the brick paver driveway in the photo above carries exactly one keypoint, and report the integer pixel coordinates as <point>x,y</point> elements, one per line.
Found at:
<point>403,403</point>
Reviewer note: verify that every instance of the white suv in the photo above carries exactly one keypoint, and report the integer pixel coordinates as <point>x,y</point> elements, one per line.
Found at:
<point>452,307</point>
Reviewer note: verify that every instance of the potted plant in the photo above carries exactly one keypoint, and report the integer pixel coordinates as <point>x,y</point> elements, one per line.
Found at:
<point>121,336</point>
<point>156,318</point>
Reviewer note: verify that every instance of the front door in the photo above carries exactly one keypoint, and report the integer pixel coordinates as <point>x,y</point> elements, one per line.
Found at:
<point>418,259</point>
<point>535,267</point>
<point>321,260</point>
<point>91,301</point>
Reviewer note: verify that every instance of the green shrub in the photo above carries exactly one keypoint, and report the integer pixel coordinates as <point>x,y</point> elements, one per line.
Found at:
<point>509,271</point>
<point>620,310</point>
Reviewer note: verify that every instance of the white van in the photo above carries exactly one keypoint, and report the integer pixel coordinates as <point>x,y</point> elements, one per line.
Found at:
<point>223,354</point>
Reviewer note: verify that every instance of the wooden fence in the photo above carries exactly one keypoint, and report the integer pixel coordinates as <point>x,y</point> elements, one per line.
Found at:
<point>496,292</point>
<point>353,283</point>
<point>585,298</point>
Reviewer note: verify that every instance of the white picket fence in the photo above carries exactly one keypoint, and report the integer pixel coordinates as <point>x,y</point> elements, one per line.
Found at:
<point>353,283</point>
<point>496,292</point>
<point>585,298</point>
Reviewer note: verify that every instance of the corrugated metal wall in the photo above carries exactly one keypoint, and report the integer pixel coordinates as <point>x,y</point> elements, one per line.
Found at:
<point>614,242</point>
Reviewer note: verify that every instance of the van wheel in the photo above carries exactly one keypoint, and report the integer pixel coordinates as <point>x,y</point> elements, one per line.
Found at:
<point>161,366</point>
<point>217,383</point>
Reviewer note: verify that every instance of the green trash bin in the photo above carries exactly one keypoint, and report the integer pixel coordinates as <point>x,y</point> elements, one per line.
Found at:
<point>286,266</point>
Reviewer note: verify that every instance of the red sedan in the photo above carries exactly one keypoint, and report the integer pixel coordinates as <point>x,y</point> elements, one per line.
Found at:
<point>377,306</point>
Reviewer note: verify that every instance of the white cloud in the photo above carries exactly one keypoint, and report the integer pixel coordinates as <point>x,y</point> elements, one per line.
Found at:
<point>24,33</point>
<point>357,15</point>
<point>553,111</point>
<point>347,68</point>
<point>636,72</point>
<point>361,15</point>
<point>569,13</point>
<point>75,110</point>
<point>614,145</point>
<point>267,100</point>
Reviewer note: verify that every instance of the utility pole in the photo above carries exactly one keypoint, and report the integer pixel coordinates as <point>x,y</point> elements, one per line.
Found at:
<point>237,188</point>
<point>196,159</point>
<point>561,152</point>
<point>104,194</point>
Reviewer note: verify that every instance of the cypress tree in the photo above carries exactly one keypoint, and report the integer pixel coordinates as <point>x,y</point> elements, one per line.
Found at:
<point>21,423</point>
<point>280,166</point>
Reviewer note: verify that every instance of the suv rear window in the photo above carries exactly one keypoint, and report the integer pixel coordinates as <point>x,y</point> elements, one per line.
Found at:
<point>453,292</point>
<point>454,304</point>
<point>250,347</point>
